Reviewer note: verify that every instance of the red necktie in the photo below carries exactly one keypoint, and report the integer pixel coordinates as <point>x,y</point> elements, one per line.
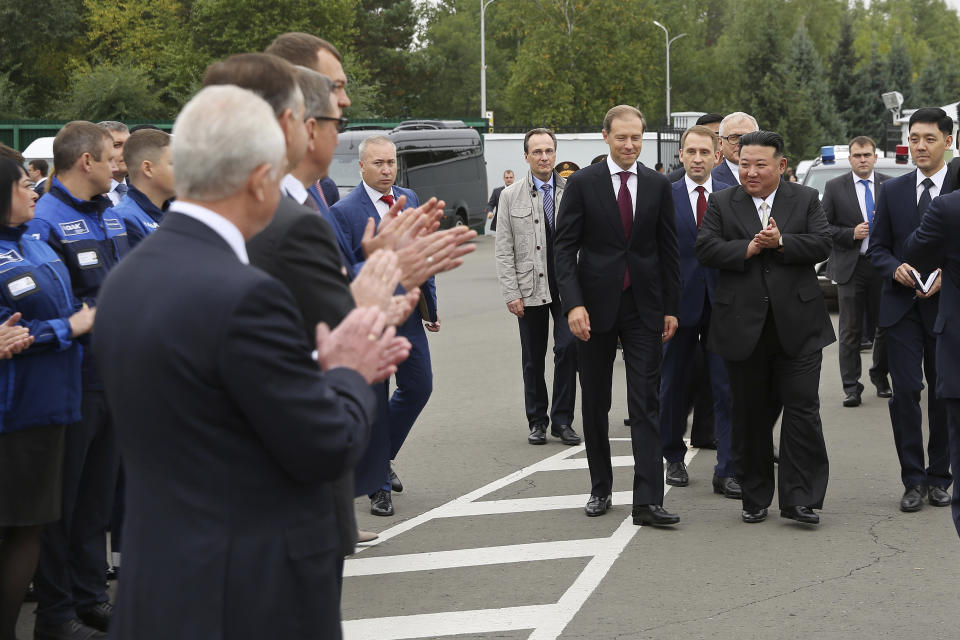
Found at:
<point>626,216</point>
<point>388,198</point>
<point>701,204</point>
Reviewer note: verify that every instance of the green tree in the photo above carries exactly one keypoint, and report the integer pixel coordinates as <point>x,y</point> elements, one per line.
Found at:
<point>384,41</point>
<point>109,92</point>
<point>866,114</point>
<point>843,63</point>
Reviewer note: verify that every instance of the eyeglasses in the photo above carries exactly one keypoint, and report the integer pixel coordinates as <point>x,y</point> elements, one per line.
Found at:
<point>341,122</point>
<point>733,138</point>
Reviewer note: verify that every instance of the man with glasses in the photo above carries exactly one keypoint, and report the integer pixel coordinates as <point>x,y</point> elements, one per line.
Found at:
<point>528,281</point>
<point>732,128</point>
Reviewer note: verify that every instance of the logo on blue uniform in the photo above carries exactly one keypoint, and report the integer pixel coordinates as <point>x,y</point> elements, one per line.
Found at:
<point>113,224</point>
<point>74,228</point>
<point>10,257</point>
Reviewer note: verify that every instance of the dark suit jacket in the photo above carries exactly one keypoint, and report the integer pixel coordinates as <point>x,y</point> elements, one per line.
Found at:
<point>935,244</point>
<point>895,220</point>
<point>722,173</point>
<point>352,212</point>
<point>782,281</point>
<point>230,436</point>
<point>676,174</point>
<point>298,249</point>
<point>842,208</point>
<point>698,281</point>
<point>953,174</point>
<point>592,254</point>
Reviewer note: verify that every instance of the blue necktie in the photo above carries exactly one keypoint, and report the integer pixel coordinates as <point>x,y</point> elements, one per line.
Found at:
<point>547,203</point>
<point>121,189</point>
<point>925,198</point>
<point>868,201</point>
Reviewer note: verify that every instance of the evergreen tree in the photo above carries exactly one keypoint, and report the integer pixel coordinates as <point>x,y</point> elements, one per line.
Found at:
<point>867,116</point>
<point>384,41</point>
<point>842,66</point>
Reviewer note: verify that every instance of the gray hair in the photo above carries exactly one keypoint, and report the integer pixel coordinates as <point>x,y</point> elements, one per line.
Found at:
<point>737,116</point>
<point>374,140</point>
<point>316,89</point>
<point>113,125</point>
<point>219,137</point>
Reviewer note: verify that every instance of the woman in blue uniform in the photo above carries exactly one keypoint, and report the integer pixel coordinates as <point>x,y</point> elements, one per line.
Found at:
<point>39,389</point>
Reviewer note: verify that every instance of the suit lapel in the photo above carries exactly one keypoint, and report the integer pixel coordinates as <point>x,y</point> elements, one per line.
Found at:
<point>681,202</point>
<point>746,212</point>
<point>603,189</point>
<point>853,202</point>
<point>784,205</point>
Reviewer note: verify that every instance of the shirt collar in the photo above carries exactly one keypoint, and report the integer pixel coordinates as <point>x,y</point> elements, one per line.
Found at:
<point>375,195</point>
<point>692,186</point>
<point>294,188</point>
<point>537,182</point>
<point>937,178</point>
<point>220,225</point>
<point>768,200</point>
<point>615,168</point>
<point>734,169</point>
<point>857,179</point>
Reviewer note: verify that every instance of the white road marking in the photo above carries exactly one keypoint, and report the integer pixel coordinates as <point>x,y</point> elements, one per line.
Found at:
<point>546,621</point>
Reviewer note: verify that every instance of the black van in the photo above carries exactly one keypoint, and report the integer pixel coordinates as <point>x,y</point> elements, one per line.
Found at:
<point>442,158</point>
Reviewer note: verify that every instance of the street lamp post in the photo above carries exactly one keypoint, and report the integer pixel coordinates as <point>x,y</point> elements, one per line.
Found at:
<point>669,41</point>
<point>483,60</point>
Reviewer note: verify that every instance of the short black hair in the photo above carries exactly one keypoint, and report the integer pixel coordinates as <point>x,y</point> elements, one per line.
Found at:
<point>710,118</point>
<point>764,139</point>
<point>40,165</point>
<point>933,115</point>
<point>141,127</point>
<point>10,174</point>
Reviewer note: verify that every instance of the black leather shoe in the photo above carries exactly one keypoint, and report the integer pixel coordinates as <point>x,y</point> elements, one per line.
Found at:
<point>752,516</point>
<point>776,455</point>
<point>883,387</point>
<point>866,345</point>
<point>597,506</point>
<point>626,422</point>
<point>710,444</point>
<point>653,515</point>
<point>912,499</point>
<point>677,475</point>
<point>395,483</point>
<point>728,487</point>
<point>852,399</point>
<point>113,572</point>
<point>381,503</point>
<point>31,594</point>
<point>97,616</point>
<point>69,630</point>
<point>938,497</point>
<point>566,434</point>
<point>538,434</point>
<point>804,515</point>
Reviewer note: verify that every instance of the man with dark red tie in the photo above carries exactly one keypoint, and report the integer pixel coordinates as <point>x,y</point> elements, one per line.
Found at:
<point>619,279</point>
<point>699,153</point>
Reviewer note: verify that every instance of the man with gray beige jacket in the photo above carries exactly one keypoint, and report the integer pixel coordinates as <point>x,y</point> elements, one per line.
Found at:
<point>524,250</point>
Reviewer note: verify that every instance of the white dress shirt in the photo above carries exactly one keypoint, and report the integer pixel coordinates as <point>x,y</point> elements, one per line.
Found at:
<point>861,198</point>
<point>769,200</point>
<point>114,196</point>
<point>734,169</point>
<point>694,195</point>
<point>937,179</point>
<point>294,188</point>
<point>382,207</point>
<point>220,225</point>
<point>631,181</point>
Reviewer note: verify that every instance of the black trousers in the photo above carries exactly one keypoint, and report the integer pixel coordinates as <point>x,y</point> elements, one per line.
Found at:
<point>758,385</point>
<point>641,354</point>
<point>953,420</point>
<point>856,297</point>
<point>71,573</point>
<point>913,357</point>
<point>534,333</point>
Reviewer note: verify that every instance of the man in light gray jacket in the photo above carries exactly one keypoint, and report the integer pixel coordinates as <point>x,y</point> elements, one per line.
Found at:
<point>524,249</point>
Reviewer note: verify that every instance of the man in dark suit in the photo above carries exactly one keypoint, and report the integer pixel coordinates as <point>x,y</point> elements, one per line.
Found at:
<point>710,121</point>
<point>770,324</point>
<point>230,531</point>
<point>619,278</point>
<point>494,203</point>
<point>699,154</point>
<point>934,243</point>
<point>732,127</point>
<point>849,204</point>
<point>908,315</point>
<point>953,167</point>
<point>372,198</point>
<point>37,170</point>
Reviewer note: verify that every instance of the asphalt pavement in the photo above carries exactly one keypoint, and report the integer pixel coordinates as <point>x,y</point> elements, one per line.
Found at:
<point>490,540</point>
